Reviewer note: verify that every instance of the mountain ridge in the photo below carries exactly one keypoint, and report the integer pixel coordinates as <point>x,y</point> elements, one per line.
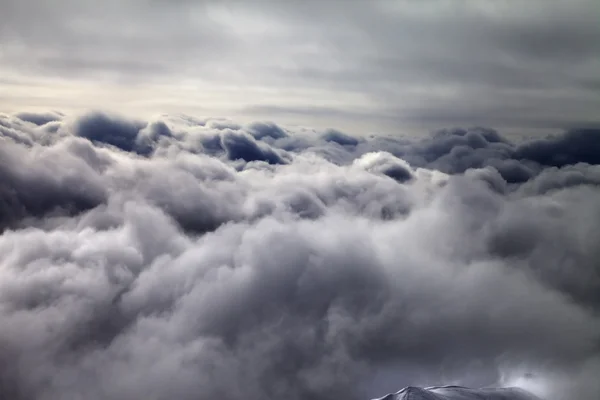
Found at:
<point>454,392</point>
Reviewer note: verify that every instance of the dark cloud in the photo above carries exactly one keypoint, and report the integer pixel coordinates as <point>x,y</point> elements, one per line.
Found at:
<point>340,138</point>
<point>115,131</point>
<point>39,118</point>
<point>241,146</point>
<point>457,150</point>
<point>147,138</point>
<point>194,258</point>
<point>261,130</point>
<point>579,145</point>
<point>33,184</point>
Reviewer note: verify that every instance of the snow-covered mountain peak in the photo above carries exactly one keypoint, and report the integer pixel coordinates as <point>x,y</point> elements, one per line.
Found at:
<point>459,393</point>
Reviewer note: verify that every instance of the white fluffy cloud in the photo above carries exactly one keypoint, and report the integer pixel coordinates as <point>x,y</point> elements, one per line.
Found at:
<point>190,259</point>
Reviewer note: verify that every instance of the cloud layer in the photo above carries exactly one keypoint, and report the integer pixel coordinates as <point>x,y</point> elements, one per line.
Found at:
<point>361,66</point>
<point>195,258</point>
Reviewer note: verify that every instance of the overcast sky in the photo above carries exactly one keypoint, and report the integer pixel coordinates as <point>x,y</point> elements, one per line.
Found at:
<point>169,253</point>
<point>361,66</point>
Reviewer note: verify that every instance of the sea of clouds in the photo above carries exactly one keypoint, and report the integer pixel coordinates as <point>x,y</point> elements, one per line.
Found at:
<point>185,258</point>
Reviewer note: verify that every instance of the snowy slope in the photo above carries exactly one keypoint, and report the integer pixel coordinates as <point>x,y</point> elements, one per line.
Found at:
<point>459,393</point>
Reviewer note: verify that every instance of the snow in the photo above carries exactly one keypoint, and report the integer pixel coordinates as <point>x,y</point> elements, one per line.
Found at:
<point>459,393</point>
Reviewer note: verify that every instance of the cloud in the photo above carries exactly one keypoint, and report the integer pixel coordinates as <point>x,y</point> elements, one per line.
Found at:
<point>244,147</point>
<point>261,130</point>
<point>147,138</point>
<point>408,66</point>
<point>339,138</point>
<point>198,258</point>
<point>386,164</point>
<point>579,145</point>
<point>99,127</point>
<point>35,185</point>
<point>39,118</point>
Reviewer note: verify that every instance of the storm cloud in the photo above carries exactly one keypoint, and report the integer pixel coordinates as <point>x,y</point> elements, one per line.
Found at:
<point>195,258</point>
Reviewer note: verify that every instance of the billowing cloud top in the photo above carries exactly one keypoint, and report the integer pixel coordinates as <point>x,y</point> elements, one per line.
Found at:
<point>357,65</point>
<point>203,258</point>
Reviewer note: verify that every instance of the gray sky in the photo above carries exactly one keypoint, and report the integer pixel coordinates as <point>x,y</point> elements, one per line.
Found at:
<point>361,66</point>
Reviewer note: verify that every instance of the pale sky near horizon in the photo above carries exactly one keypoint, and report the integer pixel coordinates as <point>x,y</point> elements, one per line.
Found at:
<point>360,66</point>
